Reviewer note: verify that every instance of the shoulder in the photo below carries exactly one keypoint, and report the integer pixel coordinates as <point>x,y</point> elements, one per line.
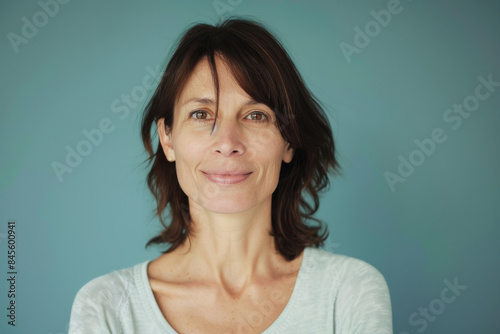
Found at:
<point>354,272</point>
<point>346,269</point>
<point>361,294</point>
<point>99,301</point>
<point>109,287</point>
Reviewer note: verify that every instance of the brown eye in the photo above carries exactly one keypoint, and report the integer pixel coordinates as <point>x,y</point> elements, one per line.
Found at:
<point>199,115</point>
<point>258,116</point>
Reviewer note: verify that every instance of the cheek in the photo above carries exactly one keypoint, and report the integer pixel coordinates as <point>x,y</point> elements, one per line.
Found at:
<point>269,179</point>
<point>265,142</point>
<point>188,148</point>
<point>275,166</point>
<point>270,160</point>
<point>188,154</point>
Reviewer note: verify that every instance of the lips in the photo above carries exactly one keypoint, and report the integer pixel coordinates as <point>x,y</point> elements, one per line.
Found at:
<point>224,177</point>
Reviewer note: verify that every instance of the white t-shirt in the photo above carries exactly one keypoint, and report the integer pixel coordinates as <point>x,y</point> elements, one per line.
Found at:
<point>332,294</point>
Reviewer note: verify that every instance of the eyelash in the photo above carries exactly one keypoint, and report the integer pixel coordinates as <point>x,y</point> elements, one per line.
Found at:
<point>265,116</point>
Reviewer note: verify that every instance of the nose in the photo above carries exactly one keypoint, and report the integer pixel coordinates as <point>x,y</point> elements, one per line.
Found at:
<point>227,139</point>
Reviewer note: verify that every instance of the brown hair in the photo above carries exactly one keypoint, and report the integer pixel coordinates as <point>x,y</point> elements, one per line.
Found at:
<point>266,73</point>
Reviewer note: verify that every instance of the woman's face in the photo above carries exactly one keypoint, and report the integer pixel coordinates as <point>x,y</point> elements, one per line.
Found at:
<point>237,166</point>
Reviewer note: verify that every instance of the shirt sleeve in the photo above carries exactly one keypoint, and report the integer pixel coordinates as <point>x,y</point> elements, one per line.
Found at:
<point>93,310</point>
<point>363,303</point>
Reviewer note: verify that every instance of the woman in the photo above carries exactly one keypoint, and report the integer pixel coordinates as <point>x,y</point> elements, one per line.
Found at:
<point>241,139</point>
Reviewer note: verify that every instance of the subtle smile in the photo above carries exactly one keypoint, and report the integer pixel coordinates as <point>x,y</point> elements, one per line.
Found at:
<point>227,179</point>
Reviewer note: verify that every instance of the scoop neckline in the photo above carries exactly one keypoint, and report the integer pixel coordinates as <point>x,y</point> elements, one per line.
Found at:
<point>149,301</point>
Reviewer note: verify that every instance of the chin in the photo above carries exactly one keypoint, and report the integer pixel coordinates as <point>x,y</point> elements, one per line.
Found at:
<point>229,205</point>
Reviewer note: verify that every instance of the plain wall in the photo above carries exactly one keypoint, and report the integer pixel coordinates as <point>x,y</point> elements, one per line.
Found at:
<point>439,221</point>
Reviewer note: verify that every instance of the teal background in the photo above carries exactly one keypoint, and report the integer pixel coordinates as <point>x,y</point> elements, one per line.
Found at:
<point>442,223</point>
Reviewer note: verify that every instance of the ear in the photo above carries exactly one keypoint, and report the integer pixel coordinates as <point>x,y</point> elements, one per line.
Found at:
<point>164,135</point>
<point>288,153</point>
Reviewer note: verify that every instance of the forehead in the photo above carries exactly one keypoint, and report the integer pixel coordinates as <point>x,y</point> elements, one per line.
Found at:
<point>201,73</point>
<point>201,81</point>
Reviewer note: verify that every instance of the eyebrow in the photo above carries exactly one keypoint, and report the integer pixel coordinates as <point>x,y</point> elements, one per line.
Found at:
<point>206,100</point>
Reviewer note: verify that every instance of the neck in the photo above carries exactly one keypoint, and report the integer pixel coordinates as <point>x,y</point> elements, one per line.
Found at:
<point>232,250</point>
